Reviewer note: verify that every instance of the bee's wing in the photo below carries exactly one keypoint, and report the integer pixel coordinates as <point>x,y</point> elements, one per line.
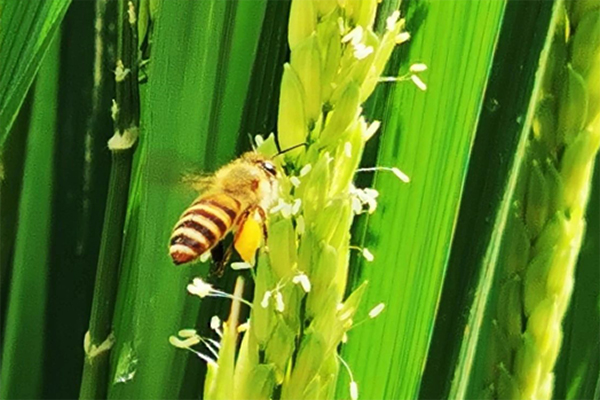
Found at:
<point>198,182</point>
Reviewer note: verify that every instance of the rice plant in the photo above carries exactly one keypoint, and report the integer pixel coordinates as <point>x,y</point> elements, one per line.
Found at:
<point>434,233</point>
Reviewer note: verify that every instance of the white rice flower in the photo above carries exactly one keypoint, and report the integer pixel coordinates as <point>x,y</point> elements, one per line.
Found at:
<point>243,327</point>
<point>303,280</point>
<point>236,266</point>
<point>265,300</point>
<point>401,175</point>
<point>215,323</point>
<point>205,256</point>
<point>348,149</point>
<point>353,390</point>
<point>371,130</point>
<point>200,288</point>
<point>283,207</point>
<point>418,82</point>
<point>355,36</point>
<point>390,22</point>
<point>296,206</point>
<point>305,170</point>
<point>279,305</point>
<point>378,309</point>
<point>186,333</point>
<point>418,67</point>
<point>402,37</point>
<point>368,255</point>
<point>185,343</point>
<point>286,211</point>
<point>361,51</point>
<point>362,197</point>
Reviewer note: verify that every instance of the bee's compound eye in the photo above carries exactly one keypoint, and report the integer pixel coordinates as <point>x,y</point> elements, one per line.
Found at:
<point>269,167</point>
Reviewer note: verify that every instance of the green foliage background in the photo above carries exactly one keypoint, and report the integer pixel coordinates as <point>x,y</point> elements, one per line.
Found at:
<point>212,80</point>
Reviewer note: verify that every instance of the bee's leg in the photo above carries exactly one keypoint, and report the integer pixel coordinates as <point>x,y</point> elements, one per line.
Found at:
<point>263,222</point>
<point>220,259</point>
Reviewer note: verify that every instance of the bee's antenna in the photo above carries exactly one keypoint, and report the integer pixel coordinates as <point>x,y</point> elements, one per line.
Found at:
<point>290,149</point>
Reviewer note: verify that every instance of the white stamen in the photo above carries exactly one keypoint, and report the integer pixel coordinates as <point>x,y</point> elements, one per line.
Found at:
<point>186,333</point>
<point>296,206</point>
<point>378,309</point>
<point>295,181</point>
<point>199,288</point>
<point>346,315</point>
<point>205,256</point>
<point>390,22</point>
<point>401,175</point>
<point>236,266</point>
<point>353,390</point>
<point>402,37</point>
<point>354,36</point>
<point>345,338</point>
<point>303,280</point>
<point>265,300</point>
<point>353,384</point>
<point>258,140</point>
<point>215,323</point>
<point>371,130</point>
<point>184,344</point>
<point>418,82</point>
<point>305,170</point>
<point>279,306</point>
<point>243,327</point>
<point>367,255</point>
<point>418,67</point>
<point>348,149</point>
<point>361,51</point>
<point>277,207</point>
<point>286,210</point>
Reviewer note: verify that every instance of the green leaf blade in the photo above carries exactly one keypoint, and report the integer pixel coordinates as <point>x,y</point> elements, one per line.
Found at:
<point>411,232</point>
<point>21,56</point>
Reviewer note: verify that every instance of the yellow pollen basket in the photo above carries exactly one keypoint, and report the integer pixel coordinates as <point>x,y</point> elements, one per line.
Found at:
<point>248,239</point>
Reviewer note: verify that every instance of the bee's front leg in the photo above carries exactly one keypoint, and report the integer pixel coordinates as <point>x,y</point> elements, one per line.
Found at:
<point>263,222</point>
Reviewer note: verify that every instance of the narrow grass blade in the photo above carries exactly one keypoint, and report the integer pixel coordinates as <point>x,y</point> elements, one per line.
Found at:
<point>188,103</point>
<point>428,135</point>
<point>26,30</point>
<point>21,372</point>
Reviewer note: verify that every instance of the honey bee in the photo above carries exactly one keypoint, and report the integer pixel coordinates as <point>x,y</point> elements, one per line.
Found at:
<point>232,199</point>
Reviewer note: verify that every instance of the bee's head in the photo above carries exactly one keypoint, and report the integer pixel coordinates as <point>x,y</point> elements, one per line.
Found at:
<point>264,163</point>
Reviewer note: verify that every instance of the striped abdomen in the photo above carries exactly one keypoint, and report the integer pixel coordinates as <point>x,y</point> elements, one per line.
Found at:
<point>202,226</point>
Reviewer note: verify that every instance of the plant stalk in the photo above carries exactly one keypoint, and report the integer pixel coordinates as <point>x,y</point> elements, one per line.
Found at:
<point>126,114</point>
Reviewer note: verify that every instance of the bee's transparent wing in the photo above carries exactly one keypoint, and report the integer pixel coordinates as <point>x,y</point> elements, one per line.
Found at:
<point>198,182</point>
